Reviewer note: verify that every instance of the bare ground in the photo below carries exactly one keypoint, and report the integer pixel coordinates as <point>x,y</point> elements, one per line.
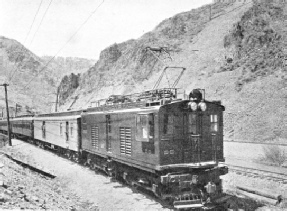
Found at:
<point>79,188</point>
<point>87,185</point>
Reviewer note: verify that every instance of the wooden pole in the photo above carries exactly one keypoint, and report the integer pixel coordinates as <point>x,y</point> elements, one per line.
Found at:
<point>210,12</point>
<point>57,99</point>
<point>7,109</point>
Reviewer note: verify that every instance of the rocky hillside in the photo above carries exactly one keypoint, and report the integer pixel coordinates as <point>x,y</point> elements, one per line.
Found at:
<point>237,54</point>
<point>31,84</point>
<point>257,110</point>
<point>129,67</point>
<point>67,65</point>
<point>68,86</point>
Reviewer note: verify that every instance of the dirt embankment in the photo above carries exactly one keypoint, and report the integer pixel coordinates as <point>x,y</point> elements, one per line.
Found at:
<point>22,188</point>
<point>85,189</point>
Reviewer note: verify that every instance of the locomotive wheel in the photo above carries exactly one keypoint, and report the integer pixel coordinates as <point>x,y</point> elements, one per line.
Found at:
<point>75,157</point>
<point>91,165</point>
<point>68,154</point>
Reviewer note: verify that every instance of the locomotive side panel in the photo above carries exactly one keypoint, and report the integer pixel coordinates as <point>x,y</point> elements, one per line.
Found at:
<point>143,130</point>
<point>130,137</point>
<point>93,133</point>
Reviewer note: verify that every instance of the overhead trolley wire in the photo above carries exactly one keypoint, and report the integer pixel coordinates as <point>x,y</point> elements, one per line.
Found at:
<point>33,21</point>
<point>41,22</point>
<point>65,44</point>
<point>36,29</point>
<point>10,78</point>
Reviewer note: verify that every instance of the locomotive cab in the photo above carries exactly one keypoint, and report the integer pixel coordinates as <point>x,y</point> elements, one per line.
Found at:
<point>191,132</point>
<point>191,147</point>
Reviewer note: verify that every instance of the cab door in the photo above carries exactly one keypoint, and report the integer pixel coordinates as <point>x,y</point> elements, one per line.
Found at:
<point>108,133</point>
<point>191,143</point>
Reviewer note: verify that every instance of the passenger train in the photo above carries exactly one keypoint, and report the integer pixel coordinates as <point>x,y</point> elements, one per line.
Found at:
<point>168,145</point>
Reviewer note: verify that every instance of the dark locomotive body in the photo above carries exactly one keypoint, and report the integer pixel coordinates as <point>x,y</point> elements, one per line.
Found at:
<point>160,144</point>
<point>169,146</point>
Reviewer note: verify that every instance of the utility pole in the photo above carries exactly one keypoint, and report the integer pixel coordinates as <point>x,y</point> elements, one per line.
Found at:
<point>7,109</point>
<point>210,12</point>
<point>57,99</point>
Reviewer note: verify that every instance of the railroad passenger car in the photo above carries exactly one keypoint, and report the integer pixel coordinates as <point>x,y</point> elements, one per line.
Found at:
<point>22,127</point>
<point>59,131</point>
<point>3,126</point>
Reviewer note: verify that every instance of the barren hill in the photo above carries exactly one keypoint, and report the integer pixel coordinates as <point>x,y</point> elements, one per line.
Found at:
<point>31,84</point>
<point>237,55</point>
<point>67,65</point>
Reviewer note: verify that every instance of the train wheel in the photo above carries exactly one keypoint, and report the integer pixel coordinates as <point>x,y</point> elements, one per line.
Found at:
<point>61,152</point>
<point>76,157</point>
<point>68,154</point>
<point>38,144</point>
<point>91,165</point>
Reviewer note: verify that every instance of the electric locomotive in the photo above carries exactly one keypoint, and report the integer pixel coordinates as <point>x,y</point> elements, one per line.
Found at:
<point>155,140</point>
<point>167,145</point>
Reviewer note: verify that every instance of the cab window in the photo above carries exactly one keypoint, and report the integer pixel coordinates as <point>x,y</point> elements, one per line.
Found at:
<point>168,124</point>
<point>214,123</point>
<point>145,127</point>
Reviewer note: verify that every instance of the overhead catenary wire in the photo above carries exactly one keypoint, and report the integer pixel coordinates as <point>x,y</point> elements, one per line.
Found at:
<point>81,26</point>
<point>14,71</point>
<point>33,21</point>
<point>40,22</point>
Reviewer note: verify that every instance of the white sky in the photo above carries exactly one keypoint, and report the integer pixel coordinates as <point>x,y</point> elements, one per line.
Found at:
<point>115,21</point>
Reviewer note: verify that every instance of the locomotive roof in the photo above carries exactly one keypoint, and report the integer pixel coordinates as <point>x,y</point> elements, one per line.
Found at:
<point>125,110</point>
<point>140,106</point>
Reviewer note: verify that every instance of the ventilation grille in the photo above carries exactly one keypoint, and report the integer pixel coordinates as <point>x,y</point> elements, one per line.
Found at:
<point>125,141</point>
<point>95,136</point>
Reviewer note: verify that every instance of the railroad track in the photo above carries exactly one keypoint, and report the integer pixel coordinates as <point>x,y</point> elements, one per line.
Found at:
<point>264,196</point>
<point>259,173</point>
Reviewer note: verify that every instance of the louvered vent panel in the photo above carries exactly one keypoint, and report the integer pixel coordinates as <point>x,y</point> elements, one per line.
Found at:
<point>125,141</point>
<point>95,136</point>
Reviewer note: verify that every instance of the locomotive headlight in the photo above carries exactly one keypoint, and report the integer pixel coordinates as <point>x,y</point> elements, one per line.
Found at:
<point>202,106</point>
<point>193,106</point>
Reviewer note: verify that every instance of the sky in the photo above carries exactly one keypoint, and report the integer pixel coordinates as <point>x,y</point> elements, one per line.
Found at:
<point>114,21</point>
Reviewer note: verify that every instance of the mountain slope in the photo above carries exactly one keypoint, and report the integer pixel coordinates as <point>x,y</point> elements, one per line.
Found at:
<point>31,84</point>
<point>237,56</point>
<point>128,67</point>
<point>67,65</point>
